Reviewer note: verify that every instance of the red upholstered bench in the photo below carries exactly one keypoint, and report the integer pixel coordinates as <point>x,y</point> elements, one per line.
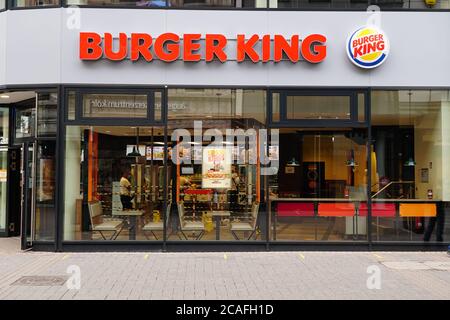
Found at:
<point>295,209</point>
<point>343,209</point>
<point>378,210</point>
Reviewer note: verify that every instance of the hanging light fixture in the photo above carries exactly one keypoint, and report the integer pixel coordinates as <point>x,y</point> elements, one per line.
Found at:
<point>293,163</point>
<point>410,162</point>
<point>351,162</point>
<point>135,152</point>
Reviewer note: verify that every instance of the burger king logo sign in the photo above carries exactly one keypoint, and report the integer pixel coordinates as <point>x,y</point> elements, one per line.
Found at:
<point>368,47</point>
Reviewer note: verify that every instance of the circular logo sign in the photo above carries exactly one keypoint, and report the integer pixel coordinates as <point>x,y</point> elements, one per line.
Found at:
<point>368,47</point>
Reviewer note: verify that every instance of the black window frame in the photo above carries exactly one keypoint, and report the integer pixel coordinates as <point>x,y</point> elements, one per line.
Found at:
<point>312,123</point>
<point>149,120</point>
<point>11,5</point>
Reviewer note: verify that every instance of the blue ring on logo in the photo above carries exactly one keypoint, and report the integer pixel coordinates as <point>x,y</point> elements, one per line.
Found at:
<point>365,64</point>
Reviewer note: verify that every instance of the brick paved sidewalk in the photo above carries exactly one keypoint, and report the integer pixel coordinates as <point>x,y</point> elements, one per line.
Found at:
<point>254,275</point>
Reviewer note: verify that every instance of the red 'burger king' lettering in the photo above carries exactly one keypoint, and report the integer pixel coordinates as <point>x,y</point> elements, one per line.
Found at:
<point>368,44</point>
<point>168,46</point>
<point>314,49</point>
<point>90,48</point>
<point>215,44</point>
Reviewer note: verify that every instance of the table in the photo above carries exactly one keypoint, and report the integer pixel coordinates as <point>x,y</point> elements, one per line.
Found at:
<point>218,215</point>
<point>194,193</point>
<point>132,215</point>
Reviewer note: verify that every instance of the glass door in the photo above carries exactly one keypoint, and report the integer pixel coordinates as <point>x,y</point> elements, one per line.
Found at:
<point>27,186</point>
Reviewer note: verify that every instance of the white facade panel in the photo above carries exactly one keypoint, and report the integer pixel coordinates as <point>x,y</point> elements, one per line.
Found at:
<point>33,46</point>
<point>418,57</point>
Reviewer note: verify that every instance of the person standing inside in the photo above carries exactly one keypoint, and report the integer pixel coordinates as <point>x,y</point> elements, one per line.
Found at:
<point>234,191</point>
<point>125,190</point>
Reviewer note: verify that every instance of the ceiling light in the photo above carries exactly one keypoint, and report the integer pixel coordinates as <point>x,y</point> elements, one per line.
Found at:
<point>4,96</point>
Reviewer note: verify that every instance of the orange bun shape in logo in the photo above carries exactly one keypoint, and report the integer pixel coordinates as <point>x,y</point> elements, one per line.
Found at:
<point>368,47</point>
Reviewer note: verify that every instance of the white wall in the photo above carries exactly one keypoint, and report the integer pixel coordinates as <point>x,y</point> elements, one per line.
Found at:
<point>41,49</point>
<point>2,48</point>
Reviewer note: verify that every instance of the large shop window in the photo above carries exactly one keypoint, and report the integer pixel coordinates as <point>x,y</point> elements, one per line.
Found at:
<point>215,169</point>
<point>410,156</point>
<point>114,165</point>
<point>322,177</point>
<point>320,185</point>
<point>114,180</point>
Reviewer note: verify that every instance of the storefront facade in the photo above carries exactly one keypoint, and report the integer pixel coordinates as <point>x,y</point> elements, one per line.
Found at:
<point>166,129</point>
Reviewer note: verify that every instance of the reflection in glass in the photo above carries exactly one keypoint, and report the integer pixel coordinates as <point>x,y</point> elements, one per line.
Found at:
<point>47,118</point>
<point>35,3</point>
<point>114,180</point>
<point>45,190</point>
<point>4,126</point>
<point>25,122</point>
<point>3,186</point>
<point>318,107</point>
<point>98,105</point>
<point>410,156</point>
<point>358,4</point>
<point>217,188</point>
<point>71,105</point>
<point>320,185</point>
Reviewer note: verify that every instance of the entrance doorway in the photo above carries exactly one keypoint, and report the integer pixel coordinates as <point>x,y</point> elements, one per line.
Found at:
<point>30,148</point>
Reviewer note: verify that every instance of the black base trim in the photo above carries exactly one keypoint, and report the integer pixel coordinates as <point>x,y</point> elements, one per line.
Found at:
<point>236,246</point>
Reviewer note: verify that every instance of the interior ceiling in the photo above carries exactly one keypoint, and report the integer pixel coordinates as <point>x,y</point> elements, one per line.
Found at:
<point>16,96</point>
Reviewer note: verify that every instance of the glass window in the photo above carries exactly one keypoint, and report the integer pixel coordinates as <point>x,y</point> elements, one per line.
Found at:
<point>218,3</point>
<point>275,107</point>
<point>100,105</point>
<point>320,184</point>
<point>114,180</point>
<point>176,3</point>
<point>216,104</point>
<point>71,105</point>
<point>2,4</point>
<point>25,122</point>
<point>4,125</point>
<point>216,186</point>
<point>319,4</point>
<point>360,4</point>
<point>411,4</point>
<point>35,3</point>
<point>123,3</point>
<point>45,190</point>
<point>317,107</point>
<point>47,114</point>
<point>158,106</point>
<point>410,172</point>
<point>361,107</point>
<point>3,186</point>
